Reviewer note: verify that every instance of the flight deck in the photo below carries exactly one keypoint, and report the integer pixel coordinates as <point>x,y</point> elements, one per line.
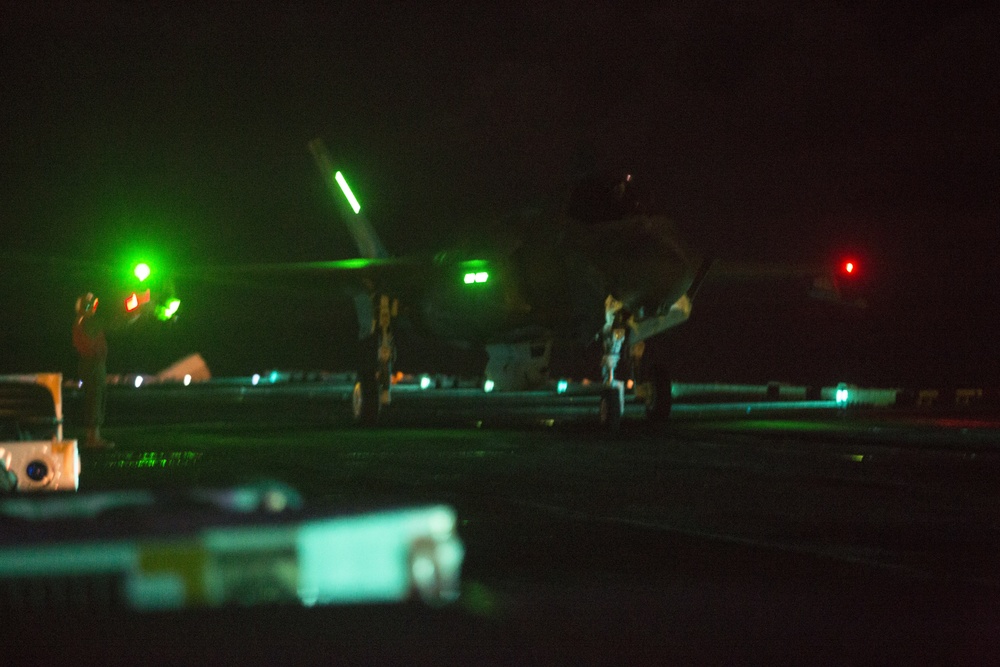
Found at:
<point>736,531</point>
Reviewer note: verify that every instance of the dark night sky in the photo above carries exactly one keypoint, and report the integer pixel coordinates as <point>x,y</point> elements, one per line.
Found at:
<point>769,130</point>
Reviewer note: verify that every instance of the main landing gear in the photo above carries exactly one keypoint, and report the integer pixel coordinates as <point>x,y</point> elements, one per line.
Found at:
<point>652,376</point>
<point>377,352</point>
<point>652,382</point>
<point>612,389</point>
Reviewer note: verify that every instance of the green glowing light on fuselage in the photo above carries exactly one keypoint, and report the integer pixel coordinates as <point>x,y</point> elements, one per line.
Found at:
<point>142,271</point>
<point>478,277</point>
<point>351,199</point>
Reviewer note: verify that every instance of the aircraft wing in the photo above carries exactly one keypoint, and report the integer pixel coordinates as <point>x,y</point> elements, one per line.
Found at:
<point>822,281</point>
<point>403,277</point>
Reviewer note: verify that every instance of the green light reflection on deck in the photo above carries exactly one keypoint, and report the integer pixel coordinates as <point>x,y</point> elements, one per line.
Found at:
<point>153,460</point>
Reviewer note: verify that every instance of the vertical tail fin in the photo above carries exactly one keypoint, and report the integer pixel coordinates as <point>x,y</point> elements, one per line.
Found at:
<point>369,244</point>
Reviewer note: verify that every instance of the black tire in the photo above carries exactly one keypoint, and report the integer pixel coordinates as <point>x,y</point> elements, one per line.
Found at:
<point>660,400</point>
<point>364,401</point>
<point>610,414</point>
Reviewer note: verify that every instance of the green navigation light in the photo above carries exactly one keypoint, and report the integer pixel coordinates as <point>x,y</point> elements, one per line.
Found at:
<point>479,277</point>
<point>168,310</point>
<point>342,182</point>
<point>142,271</point>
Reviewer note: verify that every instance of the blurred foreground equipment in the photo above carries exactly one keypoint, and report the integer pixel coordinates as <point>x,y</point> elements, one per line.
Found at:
<point>31,426</point>
<point>212,547</point>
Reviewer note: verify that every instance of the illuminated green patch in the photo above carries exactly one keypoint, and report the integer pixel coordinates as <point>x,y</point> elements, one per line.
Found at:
<point>474,265</point>
<point>168,310</point>
<point>155,460</point>
<point>333,265</point>
<point>346,189</point>
<point>353,263</point>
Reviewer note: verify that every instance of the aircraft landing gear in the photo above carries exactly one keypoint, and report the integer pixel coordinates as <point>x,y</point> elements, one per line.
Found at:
<point>364,400</point>
<point>612,408</point>
<point>658,394</point>
<point>653,384</point>
<point>613,390</point>
<point>651,372</point>
<point>373,389</point>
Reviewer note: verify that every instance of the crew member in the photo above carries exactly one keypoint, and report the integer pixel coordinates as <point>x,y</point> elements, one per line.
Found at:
<point>92,347</point>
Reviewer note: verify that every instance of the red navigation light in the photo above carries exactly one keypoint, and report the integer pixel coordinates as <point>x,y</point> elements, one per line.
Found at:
<point>849,267</point>
<point>136,300</point>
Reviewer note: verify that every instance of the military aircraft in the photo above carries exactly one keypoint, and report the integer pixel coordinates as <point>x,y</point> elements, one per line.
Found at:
<point>601,268</point>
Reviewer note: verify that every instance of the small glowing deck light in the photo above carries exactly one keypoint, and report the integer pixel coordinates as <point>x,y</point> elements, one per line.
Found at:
<point>255,379</point>
<point>488,386</point>
<point>425,382</point>
<point>562,387</point>
<point>138,381</point>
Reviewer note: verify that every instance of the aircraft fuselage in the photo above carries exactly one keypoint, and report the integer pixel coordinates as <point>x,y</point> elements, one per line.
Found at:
<point>554,286</point>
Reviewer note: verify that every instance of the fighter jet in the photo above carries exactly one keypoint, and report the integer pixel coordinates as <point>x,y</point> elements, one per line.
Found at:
<point>600,269</point>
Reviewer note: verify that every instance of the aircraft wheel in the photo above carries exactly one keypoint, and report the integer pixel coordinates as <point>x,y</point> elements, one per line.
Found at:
<point>660,400</point>
<point>364,402</point>
<point>611,410</point>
